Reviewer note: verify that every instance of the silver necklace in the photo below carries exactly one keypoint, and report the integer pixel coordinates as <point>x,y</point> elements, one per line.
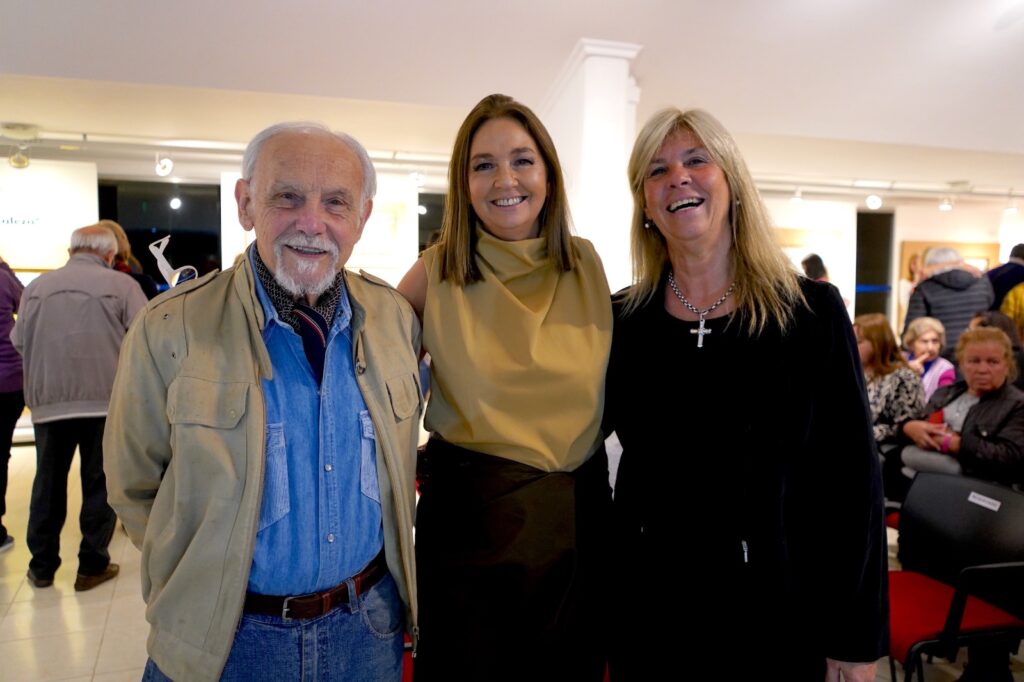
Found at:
<point>700,331</point>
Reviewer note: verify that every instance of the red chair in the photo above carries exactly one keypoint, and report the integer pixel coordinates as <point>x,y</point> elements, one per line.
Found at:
<point>962,550</point>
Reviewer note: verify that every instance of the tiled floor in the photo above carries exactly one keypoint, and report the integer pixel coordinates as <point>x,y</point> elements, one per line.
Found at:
<point>100,635</point>
<point>56,633</point>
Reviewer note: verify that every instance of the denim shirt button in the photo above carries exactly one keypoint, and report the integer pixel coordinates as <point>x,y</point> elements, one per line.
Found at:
<point>330,537</point>
<point>328,467</point>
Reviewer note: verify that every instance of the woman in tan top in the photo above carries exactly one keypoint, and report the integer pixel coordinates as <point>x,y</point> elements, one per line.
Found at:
<point>514,481</point>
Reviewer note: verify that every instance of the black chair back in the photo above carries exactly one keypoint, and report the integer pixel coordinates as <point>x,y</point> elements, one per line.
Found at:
<point>951,522</point>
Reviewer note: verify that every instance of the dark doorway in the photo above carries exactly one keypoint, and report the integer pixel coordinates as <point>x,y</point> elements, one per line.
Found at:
<point>874,258</point>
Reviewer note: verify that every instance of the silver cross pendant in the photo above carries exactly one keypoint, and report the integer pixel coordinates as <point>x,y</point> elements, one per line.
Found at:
<point>700,332</point>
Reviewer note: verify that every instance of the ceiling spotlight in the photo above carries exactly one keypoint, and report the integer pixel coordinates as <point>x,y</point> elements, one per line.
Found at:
<point>797,197</point>
<point>946,204</point>
<point>873,201</point>
<point>175,203</point>
<point>164,166</point>
<point>19,159</point>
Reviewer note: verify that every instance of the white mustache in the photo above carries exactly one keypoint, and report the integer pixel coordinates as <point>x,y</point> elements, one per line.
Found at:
<point>308,241</point>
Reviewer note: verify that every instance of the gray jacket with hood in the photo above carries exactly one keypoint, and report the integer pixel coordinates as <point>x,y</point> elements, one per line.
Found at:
<point>952,297</point>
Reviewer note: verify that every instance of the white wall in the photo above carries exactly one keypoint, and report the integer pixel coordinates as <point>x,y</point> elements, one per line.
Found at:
<point>40,206</point>
<point>827,228</point>
<point>390,241</point>
<point>233,239</point>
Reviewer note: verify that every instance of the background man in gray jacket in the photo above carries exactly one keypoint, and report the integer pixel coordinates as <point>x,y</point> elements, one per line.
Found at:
<point>69,332</point>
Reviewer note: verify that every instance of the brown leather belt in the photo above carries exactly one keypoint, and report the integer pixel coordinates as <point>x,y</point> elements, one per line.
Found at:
<point>319,603</point>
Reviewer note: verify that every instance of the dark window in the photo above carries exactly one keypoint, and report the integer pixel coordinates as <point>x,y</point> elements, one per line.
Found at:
<point>144,210</point>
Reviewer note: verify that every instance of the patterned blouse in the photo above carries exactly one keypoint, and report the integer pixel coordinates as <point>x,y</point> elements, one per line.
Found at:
<point>894,398</point>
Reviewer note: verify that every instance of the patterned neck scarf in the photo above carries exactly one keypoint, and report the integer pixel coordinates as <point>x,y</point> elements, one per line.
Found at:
<point>284,302</point>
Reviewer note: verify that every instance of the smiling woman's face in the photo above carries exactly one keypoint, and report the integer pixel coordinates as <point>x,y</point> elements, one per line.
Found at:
<point>507,180</point>
<point>686,193</point>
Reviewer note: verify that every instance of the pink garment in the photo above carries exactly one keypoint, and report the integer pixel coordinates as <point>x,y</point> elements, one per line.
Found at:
<point>940,372</point>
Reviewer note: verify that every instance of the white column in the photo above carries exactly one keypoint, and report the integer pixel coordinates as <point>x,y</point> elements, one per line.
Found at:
<point>233,237</point>
<point>590,112</point>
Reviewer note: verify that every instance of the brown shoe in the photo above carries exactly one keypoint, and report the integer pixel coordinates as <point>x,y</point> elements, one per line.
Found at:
<point>37,581</point>
<point>87,582</point>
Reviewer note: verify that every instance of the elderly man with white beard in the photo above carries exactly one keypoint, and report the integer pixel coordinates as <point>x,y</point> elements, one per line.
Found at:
<point>262,439</point>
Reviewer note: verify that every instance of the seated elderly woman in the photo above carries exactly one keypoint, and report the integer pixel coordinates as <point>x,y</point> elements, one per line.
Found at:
<point>925,338</point>
<point>975,426</point>
<point>894,390</point>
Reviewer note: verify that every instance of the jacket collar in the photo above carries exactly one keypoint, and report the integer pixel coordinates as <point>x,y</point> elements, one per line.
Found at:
<point>89,257</point>
<point>960,387</point>
<point>244,281</point>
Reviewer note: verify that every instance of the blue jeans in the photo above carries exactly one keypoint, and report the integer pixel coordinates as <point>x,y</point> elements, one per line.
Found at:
<point>358,642</point>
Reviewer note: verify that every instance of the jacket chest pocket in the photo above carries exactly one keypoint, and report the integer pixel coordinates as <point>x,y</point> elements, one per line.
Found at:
<point>207,433</point>
<point>404,394</point>
<point>205,403</point>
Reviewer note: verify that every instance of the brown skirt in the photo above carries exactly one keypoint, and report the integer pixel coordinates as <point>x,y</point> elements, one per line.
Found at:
<point>511,568</point>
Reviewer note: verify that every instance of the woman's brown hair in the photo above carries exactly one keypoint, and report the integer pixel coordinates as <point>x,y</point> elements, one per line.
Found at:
<point>886,357</point>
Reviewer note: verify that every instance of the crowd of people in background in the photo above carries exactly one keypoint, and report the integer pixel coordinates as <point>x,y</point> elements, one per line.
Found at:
<point>951,400</point>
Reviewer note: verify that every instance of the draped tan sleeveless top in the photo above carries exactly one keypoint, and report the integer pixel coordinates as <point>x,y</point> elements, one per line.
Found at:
<point>518,359</point>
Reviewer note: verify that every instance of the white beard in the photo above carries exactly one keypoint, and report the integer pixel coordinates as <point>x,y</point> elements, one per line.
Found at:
<point>296,282</point>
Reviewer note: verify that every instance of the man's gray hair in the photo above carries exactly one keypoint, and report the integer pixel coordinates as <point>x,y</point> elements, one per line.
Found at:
<point>96,238</point>
<point>942,255</point>
<point>252,150</point>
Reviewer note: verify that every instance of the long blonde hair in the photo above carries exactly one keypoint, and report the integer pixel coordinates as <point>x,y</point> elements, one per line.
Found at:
<point>767,285</point>
<point>457,245</point>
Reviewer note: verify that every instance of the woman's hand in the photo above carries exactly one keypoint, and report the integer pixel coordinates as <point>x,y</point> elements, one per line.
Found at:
<point>917,364</point>
<point>953,447</point>
<point>926,435</point>
<point>852,672</point>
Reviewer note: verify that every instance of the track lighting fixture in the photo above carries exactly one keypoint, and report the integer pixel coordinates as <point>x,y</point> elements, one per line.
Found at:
<point>164,165</point>
<point>19,158</point>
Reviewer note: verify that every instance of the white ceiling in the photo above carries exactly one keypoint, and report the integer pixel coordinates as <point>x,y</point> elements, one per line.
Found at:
<point>945,74</point>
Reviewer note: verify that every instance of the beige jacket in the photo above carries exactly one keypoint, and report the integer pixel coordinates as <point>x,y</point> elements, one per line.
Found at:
<point>184,451</point>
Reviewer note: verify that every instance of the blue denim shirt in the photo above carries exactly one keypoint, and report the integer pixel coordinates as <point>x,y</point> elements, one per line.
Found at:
<point>320,520</point>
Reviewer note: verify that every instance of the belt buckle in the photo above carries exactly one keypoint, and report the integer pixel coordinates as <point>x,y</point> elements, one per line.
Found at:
<point>284,608</point>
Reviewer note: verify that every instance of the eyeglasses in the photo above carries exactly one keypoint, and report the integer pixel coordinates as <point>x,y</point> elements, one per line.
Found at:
<point>174,276</point>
